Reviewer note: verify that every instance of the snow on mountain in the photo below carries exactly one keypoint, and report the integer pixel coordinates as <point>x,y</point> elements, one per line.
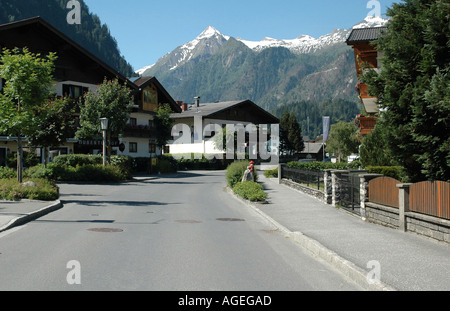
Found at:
<point>210,41</point>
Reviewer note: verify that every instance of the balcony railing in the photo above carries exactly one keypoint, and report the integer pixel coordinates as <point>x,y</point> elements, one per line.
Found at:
<point>143,131</point>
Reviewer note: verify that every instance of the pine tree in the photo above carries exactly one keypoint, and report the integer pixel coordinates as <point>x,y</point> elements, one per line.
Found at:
<point>413,87</point>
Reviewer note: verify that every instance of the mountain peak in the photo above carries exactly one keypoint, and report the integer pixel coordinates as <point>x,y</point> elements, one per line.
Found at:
<point>209,32</point>
<point>371,21</point>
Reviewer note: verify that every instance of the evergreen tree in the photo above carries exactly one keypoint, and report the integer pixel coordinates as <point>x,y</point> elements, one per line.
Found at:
<point>413,87</point>
<point>295,135</point>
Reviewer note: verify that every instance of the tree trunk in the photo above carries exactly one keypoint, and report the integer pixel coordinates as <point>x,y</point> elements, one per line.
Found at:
<point>19,159</point>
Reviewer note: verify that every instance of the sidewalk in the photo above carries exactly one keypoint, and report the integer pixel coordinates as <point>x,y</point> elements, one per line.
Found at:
<point>14,214</point>
<point>405,261</point>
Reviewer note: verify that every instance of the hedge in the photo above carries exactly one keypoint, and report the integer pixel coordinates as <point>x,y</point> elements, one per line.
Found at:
<point>250,190</point>
<point>45,190</point>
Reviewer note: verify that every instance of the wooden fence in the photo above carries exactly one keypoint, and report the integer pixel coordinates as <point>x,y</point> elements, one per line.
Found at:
<point>430,198</point>
<point>384,191</point>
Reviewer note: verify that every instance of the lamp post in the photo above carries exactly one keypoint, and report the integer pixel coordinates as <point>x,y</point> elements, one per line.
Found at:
<point>104,125</point>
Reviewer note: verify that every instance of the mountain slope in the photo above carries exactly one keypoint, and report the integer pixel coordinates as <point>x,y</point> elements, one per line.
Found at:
<point>270,72</point>
<point>91,34</point>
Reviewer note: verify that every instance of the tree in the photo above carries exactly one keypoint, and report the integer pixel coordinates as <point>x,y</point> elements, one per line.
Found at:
<point>285,144</point>
<point>343,139</point>
<point>163,124</point>
<point>413,87</point>
<point>374,150</point>
<point>295,135</point>
<point>56,124</point>
<point>28,81</point>
<point>111,100</point>
<point>291,140</point>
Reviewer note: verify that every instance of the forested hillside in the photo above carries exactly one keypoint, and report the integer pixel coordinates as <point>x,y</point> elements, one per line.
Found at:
<point>310,113</point>
<point>91,33</point>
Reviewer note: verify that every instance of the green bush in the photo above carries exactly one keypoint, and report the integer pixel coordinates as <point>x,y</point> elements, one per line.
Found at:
<point>272,173</point>
<point>250,190</point>
<point>396,172</point>
<point>45,190</point>
<point>235,172</point>
<point>6,172</point>
<point>317,166</point>
<point>77,159</point>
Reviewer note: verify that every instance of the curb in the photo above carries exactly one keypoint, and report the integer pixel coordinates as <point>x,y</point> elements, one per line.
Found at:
<point>32,216</point>
<point>347,268</point>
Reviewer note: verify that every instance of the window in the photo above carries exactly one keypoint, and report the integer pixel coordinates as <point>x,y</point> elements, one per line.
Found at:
<point>133,148</point>
<point>152,148</point>
<point>133,121</point>
<point>74,91</point>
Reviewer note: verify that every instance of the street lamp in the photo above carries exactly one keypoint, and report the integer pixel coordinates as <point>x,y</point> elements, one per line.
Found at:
<point>104,126</point>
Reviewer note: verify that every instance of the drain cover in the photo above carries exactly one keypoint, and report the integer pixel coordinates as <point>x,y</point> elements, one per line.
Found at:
<point>230,219</point>
<point>188,221</point>
<point>107,230</point>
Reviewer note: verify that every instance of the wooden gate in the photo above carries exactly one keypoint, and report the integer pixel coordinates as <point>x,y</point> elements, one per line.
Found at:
<point>384,191</point>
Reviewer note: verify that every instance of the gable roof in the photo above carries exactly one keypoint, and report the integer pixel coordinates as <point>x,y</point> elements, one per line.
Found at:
<point>142,82</point>
<point>59,38</point>
<point>365,34</point>
<point>216,110</point>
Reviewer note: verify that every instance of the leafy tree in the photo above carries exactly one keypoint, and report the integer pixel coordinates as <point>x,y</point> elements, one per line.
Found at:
<point>111,100</point>
<point>163,124</point>
<point>28,81</point>
<point>374,150</point>
<point>413,87</point>
<point>343,139</point>
<point>56,124</point>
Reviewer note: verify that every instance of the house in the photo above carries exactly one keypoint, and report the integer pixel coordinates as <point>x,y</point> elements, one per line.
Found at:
<point>76,72</point>
<point>213,117</point>
<point>366,54</point>
<point>312,151</point>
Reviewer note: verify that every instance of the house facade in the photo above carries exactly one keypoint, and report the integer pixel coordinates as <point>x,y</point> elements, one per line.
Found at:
<point>366,56</point>
<point>77,71</point>
<point>202,121</point>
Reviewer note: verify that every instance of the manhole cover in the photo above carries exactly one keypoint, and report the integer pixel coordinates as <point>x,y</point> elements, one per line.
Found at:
<point>107,230</point>
<point>187,221</point>
<point>230,219</point>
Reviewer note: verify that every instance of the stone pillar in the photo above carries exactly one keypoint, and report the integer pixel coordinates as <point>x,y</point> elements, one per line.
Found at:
<point>403,201</point>
<point>280,170</point>
<point>335,187</point>
<point>364,191</point>
<point>328,195</point>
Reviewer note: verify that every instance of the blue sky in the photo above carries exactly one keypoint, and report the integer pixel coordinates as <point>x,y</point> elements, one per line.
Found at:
<point>147,30</point>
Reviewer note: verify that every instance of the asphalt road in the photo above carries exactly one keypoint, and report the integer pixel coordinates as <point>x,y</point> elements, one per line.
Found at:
<point>176,233</point>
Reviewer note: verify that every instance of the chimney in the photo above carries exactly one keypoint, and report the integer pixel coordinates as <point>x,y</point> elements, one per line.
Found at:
<point>183,106</point>
<point>197,101</point>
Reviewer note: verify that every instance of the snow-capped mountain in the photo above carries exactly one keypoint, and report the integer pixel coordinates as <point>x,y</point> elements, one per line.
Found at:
<point>210,41</point>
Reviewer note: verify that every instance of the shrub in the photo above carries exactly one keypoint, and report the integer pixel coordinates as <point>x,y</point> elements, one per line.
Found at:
<point>77,159</point>
<point>235,172</point>
<point>6,172</point>
<point>250,190</point>
<point>45,190</point>
<point>396,172</point>
<point>317,166</point>
<point>272,173</point>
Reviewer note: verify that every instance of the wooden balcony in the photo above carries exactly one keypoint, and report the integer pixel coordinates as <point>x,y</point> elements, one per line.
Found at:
<point>141,131</point>
<point>367,124</point>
